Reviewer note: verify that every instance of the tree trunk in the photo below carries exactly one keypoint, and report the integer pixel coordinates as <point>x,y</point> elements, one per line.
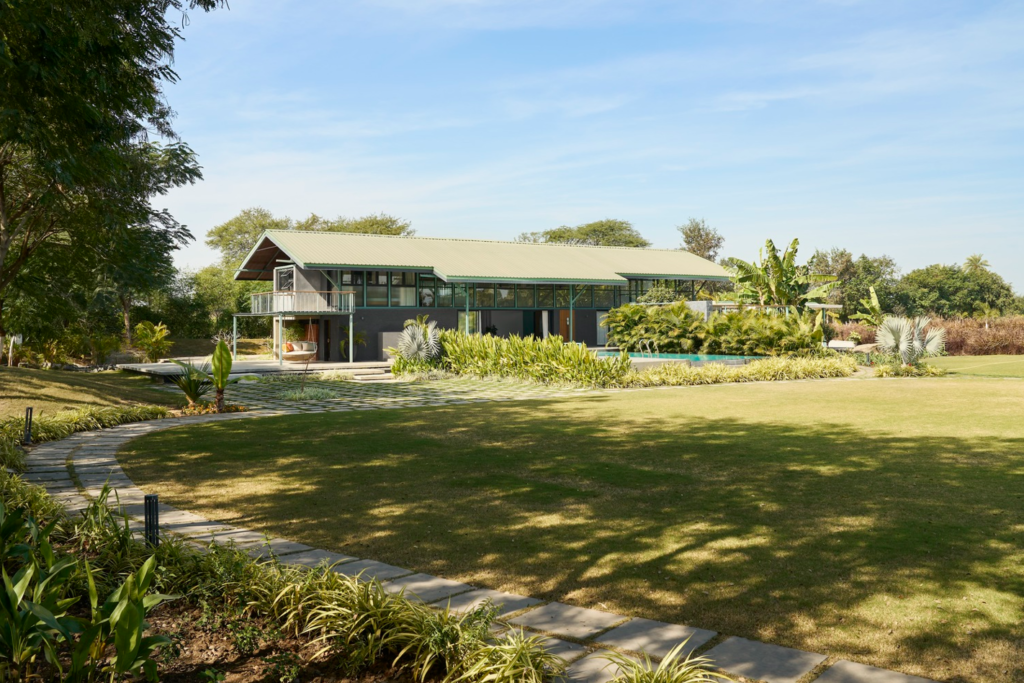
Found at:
<point>126,306</point>
<point>219,404</point>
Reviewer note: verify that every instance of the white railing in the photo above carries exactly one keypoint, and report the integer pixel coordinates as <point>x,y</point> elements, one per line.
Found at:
<point>302,302</point>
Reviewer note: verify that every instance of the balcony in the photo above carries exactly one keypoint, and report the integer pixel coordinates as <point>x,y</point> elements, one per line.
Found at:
<point>302,303</point>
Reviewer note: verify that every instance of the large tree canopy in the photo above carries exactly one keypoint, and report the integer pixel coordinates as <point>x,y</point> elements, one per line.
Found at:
<point>951,291</point>
<point>701,239</point>
<point>80,95</point>
<point>609,232</point>
<point>236,237</point>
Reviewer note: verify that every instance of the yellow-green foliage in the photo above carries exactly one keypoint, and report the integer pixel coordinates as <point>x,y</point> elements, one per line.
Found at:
<point>541,360</point>
<point>766,370</point>
<point>899,370</point>
<point>674,328</point>
<point>65,423</point>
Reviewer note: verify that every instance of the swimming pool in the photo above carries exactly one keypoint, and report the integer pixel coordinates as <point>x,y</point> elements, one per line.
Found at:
<point>693,357</point>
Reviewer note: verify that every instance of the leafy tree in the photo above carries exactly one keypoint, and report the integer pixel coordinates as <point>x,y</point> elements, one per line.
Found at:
<point>776,280</point>
<point>609,232</point>
<point>952,292</point>
<point>857,278</point>
<point>975,264</point>
<point>375,224</point>
<point>236,237</point>
<point>701,239</point>
<point>81,91</point>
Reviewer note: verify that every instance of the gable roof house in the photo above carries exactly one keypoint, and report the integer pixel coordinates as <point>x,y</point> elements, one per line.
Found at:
<point>331,282</point>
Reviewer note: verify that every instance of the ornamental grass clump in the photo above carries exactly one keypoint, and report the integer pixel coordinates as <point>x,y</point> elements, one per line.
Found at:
<point>674,668</point>
<point>64,423</point>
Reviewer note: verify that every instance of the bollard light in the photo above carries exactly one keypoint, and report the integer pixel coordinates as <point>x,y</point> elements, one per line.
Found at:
<point>28,426</point>
<point>151,503</point>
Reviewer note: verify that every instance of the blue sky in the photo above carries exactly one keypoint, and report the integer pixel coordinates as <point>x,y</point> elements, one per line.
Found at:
<point>883,127</point>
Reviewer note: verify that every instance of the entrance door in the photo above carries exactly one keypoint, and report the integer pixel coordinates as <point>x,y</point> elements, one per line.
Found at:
<point>563,324</point>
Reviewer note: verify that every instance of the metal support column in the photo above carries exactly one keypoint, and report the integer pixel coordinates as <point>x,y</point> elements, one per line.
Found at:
<point>234,337</point>
<point>280,340</point>
<point>572,313</point>
<point>467,308</point>
<point>351,337</point>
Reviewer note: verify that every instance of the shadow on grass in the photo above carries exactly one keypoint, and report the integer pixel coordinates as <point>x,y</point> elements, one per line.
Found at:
<point>807,535</point>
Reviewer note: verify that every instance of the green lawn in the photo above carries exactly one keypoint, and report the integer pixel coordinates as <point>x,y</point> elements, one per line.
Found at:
<point>983,366</point>
<point>880,521</point>
<point>52,390</point>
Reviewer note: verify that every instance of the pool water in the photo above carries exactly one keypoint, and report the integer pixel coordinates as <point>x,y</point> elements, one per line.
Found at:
<point>695,357</point>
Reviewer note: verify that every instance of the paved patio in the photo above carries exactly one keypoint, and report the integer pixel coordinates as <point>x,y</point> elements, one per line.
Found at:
<point>577,635</point>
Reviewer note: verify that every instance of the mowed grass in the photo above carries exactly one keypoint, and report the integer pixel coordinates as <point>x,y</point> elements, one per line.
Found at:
<point>983,366</point>
<point>52,390</point>
<point>875,520</point>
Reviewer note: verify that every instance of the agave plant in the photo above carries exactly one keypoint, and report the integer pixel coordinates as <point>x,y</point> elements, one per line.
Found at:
<point>193,381</point>
<point>908,339</point>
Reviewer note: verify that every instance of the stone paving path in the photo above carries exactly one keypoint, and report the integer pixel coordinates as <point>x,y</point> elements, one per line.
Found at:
<point>577,635</point>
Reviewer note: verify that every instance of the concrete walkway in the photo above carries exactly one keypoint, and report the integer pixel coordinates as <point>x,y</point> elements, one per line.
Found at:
<point>577,635</point>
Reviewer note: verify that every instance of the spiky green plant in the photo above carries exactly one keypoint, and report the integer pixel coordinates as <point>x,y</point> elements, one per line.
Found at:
<point>193,381</point>
<point>872,314</point>
<point>515,658</point>
<point>776,280</point>
<point>909,339</point>
<point>674,668</point>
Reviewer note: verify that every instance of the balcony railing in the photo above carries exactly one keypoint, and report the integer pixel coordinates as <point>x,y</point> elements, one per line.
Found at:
<point>290,302</point>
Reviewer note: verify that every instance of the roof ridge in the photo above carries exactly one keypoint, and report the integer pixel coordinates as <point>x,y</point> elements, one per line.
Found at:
<point>472,239</point>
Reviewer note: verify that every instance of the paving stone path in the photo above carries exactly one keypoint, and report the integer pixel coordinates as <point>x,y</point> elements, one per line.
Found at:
<point>579,636</point>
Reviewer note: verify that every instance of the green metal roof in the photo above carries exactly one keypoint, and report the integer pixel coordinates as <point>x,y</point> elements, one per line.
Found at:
<point>462,260</point>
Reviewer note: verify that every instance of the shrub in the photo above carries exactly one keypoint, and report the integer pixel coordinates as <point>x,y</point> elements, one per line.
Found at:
<point>540,360</point>
<point>900,370</point>
<point>674,668</point>
<point>65,423</point>
<point>973,337</point>
<point>751,333</point>
<point>767,370</point>
<point>152,340</point>
<point>675,328</point>
<point>310,394</point>
<point>193,381</point>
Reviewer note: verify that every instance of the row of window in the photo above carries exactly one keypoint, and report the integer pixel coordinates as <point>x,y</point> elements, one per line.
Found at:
<point>410,290</point>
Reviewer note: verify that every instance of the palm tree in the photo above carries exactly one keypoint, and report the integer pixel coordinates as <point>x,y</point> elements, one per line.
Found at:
<point>983,311</point>
<point>776,280</point>
<point>976,263</point>
<point>907,339</point>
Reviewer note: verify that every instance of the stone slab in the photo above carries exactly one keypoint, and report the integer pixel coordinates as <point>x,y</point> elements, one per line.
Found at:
<point>563,649</point>
<point>425,587</point>
<point>505,602</point>
<point>593,668</point>
<point>202,529</point>
<point>313,558</point>
<point>656,638</point>
<point>370,569</point>
<point>762,661</point>
<point>844,671</point>
<point>567,620</point>
<point>279,547</point>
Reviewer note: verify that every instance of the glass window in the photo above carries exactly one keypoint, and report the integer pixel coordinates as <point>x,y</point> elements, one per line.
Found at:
<point>428,291</point>
<point>545,296</point>
<point>474,322</point>
<point>445,294</point>
<point>377,288</point>
<point>562,296</point>
<point>506,296</point>
<point>286,279</point>
<point>526,296</point>
<point>604,296</point>
<point>484,296</point>
<point>460,294</point>
<point>403,289</point>
<point>584,296</point>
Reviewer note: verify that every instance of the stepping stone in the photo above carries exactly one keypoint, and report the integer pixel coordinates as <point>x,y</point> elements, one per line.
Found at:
<point>761,661</point>
<point>849,672</point>
<point>505,602</point>
<point>200,529</point>
<point>35,476</point>
<point>277,547</point>
<point>562,649</point>
<point>591,669</point>
<point>314,558</point>
<point>656,638</point>
<point>566,620</point>
<point>370,569</point>
<point>425,587</point>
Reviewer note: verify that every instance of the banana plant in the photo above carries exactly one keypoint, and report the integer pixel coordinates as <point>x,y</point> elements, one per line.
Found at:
<point>872,314</point>
<point>220,376</point>
<point>776,280</point>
